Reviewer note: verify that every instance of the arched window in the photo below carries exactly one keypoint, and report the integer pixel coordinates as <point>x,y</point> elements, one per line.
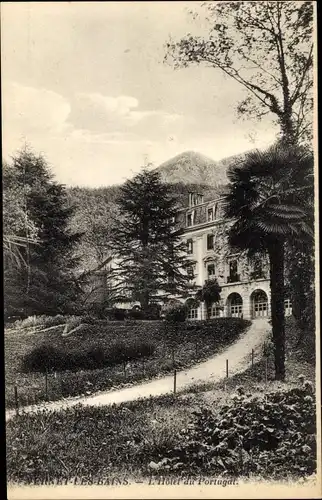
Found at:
<point>259,301</point>
<point>211,271</point>
<point>235,305</point>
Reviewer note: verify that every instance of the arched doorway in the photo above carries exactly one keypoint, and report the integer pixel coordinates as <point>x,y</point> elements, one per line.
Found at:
<point>259,304</point>
<point>235,305</point>
<point>193,308</point>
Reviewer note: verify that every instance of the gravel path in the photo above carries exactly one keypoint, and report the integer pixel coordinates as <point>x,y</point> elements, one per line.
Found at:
<point>212,370</point>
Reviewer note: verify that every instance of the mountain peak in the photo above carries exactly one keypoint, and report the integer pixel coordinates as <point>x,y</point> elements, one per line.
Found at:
<point>192,167</point>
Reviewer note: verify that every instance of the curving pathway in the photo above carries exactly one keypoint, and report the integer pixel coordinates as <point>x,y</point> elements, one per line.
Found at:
<point>212,370</point>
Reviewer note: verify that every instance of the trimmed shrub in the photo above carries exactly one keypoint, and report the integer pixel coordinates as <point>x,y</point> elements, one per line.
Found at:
<point>49,358</point>
<point>43,358</point>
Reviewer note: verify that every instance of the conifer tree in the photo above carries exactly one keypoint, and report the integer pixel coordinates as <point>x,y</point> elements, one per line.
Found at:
<point>46,283</point>
<point>151,256</point>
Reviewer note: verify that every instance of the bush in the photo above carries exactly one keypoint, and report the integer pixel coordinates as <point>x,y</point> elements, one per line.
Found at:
<point>43,358</point>
<point>272,436</point>
<point>135,314</point>
<point>177,313</point>
<point>153,312</point>
<point>116,314</point>
<point>49,358</point>
<point>41,321</point>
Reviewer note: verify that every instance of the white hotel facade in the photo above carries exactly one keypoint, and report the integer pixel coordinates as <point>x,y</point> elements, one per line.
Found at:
<point>245,285</point>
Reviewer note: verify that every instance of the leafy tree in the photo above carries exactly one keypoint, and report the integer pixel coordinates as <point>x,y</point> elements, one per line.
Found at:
<point>46,285</point>
<point>209,293</point>
<point>95,210</point>
<point>267,204</point>
<point>150,254</point>
<point>267,47</point>
<point>300,280</point>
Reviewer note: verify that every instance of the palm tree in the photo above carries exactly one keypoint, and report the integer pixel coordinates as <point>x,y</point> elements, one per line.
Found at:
<point>268,203</point>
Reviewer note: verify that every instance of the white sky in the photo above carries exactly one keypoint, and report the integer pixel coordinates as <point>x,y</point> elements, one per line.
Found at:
<point>85,84</point>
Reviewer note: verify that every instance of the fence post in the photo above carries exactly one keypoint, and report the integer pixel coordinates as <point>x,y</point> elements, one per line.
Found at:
<point>266,369</point>
<point>196,346</point>
<point>16,399</point>
<point>124,368</point>
<point>252,357</point>
<point>46,384</point>
<point>173,356</point>
<point>226,368</point>
<point>143,366</point>
<point>61,384</point>
<point>175,381</point>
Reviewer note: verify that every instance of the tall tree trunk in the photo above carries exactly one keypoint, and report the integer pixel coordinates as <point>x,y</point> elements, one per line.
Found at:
<point>144,301</point>
<point>207,306</point>
<point>276,255</point>
<point>287,129</point>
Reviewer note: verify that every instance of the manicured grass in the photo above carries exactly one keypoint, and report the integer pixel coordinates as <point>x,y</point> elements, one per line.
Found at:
<point>190,343</point>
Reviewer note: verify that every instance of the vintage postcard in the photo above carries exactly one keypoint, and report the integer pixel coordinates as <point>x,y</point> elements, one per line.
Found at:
<point>160,249</point>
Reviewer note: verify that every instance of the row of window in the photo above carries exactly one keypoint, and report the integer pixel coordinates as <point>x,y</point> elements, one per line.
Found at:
<point>212,214</point>
<point>233,276</point>
<point>236,310</point>
<point>210,243</point>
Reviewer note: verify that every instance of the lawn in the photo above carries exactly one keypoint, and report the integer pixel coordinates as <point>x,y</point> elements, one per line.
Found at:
<point>88,352</point>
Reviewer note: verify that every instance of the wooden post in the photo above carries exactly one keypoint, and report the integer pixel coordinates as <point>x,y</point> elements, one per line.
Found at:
<point>124,368</point>
<point>175,381</point>
<point>227,368</point>
<point>266,369</point>
<point>61,384</point>
<point>16,399</point>
<point>252,357</point>
<point>196,345</point>
<point>143,366</point>
<point>46,385</point>
<point>173,356</point>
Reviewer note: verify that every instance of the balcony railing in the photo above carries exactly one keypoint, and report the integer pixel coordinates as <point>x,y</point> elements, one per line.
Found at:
<point>233,279</point>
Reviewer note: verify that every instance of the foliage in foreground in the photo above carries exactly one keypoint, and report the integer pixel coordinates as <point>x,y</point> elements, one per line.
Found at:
<point>271,436</point>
